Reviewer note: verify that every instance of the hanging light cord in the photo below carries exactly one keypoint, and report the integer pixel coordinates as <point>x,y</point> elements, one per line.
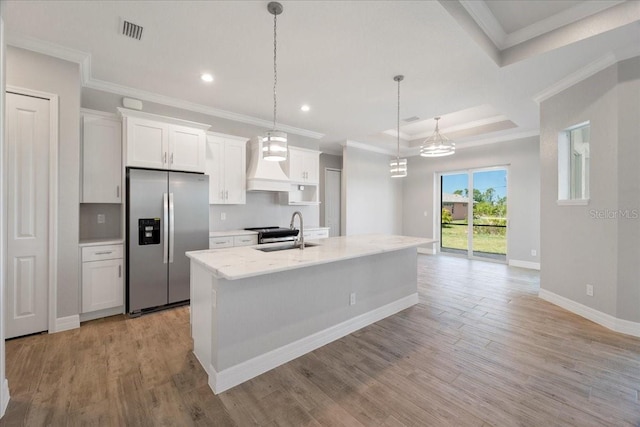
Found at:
<point>275,68</point>
<point>398,133</point>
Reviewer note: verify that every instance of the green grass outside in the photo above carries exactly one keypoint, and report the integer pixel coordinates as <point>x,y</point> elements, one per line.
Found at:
<point>455,237</point>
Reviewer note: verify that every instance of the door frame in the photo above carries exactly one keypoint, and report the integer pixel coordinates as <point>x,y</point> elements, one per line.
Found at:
<point>53,197</point>
<point>325,196</point>
<point>438,208</point>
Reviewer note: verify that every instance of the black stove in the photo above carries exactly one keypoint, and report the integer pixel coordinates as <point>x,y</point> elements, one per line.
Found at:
<point>274,234</point>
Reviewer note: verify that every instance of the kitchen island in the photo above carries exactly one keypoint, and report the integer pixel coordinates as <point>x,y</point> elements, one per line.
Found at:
<point>252,310</point>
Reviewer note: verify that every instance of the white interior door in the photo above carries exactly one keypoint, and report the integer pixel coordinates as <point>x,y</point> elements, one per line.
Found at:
<point>27,214</point>
<point>332,197</point>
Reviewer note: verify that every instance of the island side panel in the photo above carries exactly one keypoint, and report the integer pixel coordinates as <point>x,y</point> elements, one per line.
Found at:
<point>202,311</point>
<point>263,313</point>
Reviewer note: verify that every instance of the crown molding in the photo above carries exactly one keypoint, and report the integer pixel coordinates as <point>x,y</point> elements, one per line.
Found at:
<point>576,77</point>
<point>566,17</point>
<point>369,147</point>
<point>483,16</point>
<point>84,60</point>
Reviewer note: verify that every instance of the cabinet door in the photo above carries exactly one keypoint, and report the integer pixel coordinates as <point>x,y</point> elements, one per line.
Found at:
<point>186,149</point>
<point>296,165</point>
<point>101,160</point>
<point>147,143</point>
<point>215,169</point>
<point>102,285</point>
<point>235,174</point>
<point>311,167</point>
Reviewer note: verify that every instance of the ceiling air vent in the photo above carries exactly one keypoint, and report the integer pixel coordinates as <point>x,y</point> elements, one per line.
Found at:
<point>411,119</point>
<point>132,30</point>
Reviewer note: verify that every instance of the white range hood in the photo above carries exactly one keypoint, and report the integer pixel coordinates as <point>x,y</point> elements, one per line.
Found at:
<point>264,175</point>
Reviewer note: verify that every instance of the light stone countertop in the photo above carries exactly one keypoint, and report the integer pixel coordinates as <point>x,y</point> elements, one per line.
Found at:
<point>247,261</point>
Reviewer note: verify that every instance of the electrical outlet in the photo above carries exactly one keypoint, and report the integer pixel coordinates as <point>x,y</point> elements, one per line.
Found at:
<point>590,290</point>
<point>534,252</point>
<point>101,219</point>
<point>352,298</point>
<point>223,216</point>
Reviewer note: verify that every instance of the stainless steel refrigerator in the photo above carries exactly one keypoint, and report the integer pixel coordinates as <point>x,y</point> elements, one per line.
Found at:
<point>167,215</point>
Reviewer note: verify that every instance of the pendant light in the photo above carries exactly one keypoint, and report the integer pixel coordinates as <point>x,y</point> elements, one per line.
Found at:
<point>398,166</point>
<point>437,145</point>
<point>274,142</point>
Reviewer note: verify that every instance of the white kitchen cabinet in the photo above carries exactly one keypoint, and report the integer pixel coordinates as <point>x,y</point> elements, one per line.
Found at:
<point>316,233</point>
<point>226,162</point>
<point>228,239</point>
<point>220,242</point>
<point>102,277</point>
<point>101,158</point>
<point>159,142</point>
<point>303,165</point>
<point>245,240</point>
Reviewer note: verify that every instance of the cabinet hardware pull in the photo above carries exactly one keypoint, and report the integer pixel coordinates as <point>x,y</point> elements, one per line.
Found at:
<point>104,253</point>
<point>226,195</point>
<point>119,271</point>
<point>220,243</point>
<point>117,191</point>
<point>171,158</point>
<point>164,158</point>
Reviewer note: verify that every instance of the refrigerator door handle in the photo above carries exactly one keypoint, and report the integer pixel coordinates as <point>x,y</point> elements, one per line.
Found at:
<point>171,227</point>
<point>165,227</point>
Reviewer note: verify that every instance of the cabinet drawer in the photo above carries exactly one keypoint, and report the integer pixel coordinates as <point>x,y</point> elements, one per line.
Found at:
<point>245,240</point>
<point>99,253</point>
<point>220,242</point>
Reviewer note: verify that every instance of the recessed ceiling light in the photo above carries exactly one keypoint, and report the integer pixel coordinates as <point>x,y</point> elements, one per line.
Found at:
<point>207,77</point>
<point>305,108</point>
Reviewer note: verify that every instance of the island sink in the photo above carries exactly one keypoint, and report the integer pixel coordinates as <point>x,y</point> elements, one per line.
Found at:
<point>286,247</point>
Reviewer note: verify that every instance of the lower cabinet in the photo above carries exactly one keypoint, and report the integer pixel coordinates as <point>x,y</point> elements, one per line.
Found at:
<point>316,233</point>
<point>102,277</point>
<point>223,240</point>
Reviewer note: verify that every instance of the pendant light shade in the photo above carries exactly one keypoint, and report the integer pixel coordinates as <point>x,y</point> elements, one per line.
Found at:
<point>274,142</point>
<point>437,145</point>
<point>398,166</point>
<point>274,146</point>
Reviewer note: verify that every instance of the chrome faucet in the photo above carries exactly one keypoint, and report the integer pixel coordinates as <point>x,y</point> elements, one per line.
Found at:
<point>301,232</point>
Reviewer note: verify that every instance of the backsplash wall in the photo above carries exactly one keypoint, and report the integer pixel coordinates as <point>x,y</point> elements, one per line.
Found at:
<point>262,209</point>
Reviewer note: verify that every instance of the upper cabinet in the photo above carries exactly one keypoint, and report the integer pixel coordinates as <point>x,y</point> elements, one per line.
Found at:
<point>226,167</point>
<point>163,143</point>
<point>302,166</point>
<point>101,158</point>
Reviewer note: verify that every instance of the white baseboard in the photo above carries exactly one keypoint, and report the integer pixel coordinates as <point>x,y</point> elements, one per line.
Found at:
<point>85,317</point>
<point>4,397</point>
<point>231,377</point>
<point>606,320</point>
<point>67,323</point>
<point>524,264</point>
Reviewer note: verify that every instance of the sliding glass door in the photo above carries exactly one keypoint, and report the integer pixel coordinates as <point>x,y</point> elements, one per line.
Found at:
<point>473,213</point>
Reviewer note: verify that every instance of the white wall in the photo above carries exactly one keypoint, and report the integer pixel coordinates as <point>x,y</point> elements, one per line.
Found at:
<point>596,244</point>
<point>523,186</point>
<point>47,74</point>
<point>374,199</point>
<point>4,385</point>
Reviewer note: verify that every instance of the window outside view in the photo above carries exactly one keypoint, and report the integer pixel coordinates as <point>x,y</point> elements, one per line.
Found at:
<point>488,218</point>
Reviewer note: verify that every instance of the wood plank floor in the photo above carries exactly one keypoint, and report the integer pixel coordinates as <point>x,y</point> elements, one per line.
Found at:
<point>479,349</point>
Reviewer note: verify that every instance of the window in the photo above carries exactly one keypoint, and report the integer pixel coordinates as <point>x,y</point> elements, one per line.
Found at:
<point>573,164</point>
